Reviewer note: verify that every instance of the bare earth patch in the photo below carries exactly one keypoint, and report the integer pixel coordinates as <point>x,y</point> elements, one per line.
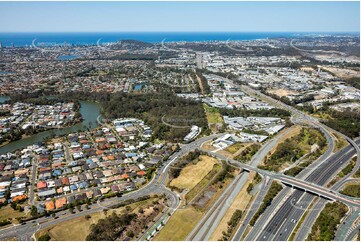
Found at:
<point>281,92</point>
<point>342,72</point>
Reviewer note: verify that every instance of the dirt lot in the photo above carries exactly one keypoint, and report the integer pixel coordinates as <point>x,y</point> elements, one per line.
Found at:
<point>341,72</point>
<point>207,146</point>
<point>281,92</point>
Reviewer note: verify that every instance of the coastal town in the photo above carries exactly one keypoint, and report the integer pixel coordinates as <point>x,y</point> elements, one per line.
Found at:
<point>188,128</point>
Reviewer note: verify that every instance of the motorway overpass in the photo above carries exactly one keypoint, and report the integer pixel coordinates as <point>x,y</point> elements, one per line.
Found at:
<point>294,182</point>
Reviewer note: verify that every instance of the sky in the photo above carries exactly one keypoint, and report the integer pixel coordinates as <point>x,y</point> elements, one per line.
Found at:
<point>180,16</point>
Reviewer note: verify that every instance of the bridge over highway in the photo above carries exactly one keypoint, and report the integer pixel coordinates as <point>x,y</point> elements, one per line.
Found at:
<point>293,182</point>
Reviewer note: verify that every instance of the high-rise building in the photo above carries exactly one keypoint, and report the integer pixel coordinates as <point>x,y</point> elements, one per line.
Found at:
<point>1,45</point>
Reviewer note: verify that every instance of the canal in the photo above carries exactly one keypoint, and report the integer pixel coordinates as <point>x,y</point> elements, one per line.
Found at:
<point>89,111</point>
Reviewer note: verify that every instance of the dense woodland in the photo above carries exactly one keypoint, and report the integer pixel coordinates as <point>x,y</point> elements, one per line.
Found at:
<point>347,122</point>
<point>274,112</point>
<point>152,107</point>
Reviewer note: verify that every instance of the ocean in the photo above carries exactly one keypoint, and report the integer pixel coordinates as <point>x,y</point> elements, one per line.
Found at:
<point>51,39</point>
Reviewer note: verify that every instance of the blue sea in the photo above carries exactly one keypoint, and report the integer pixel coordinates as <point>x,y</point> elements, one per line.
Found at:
<point>51,39</point>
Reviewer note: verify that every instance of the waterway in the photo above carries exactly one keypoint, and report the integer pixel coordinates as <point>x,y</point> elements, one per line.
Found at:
<point>67,57</point>
<point>89,111</point>
<point>3,99</point>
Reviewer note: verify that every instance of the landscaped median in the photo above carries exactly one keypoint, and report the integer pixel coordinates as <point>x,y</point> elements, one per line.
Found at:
<point>345,171</point>
<point>272,193</point>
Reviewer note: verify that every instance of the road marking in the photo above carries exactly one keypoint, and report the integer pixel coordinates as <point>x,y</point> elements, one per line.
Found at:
<point>165,168</point>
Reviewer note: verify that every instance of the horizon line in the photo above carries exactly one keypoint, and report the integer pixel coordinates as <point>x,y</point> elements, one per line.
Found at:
<point>163,31</point>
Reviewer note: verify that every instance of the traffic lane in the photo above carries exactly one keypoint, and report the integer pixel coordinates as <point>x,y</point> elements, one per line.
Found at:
<point>310,218</point>
<point>252,210</point>
<point>299,209</point>
<point>323,172</point>
<point>280,217</point>
<point>266,215</point>
<point>279,232</point>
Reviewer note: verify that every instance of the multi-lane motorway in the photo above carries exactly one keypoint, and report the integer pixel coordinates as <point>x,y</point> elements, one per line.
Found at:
<point>285,219</point>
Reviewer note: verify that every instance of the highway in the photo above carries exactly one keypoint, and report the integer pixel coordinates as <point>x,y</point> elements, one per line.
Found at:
<point>266,184</point>
<point>307,186</point>
<point>303,173</point>
<point>205,228</point>
<point>284,232</point>
<point>282,224</point>
<point>279,217</point>
<point>267,214</point>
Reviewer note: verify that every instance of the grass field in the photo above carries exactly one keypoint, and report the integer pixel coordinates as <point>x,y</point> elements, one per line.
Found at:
<point>213,115</point>
<point>203,183</point>
<point>214,118</point>
<point>192,174</point>
<point>234,148</point>
<point>8,212</point>
<point>240,202</point>
<point>179,225</point>
<point>79,228</point>
<point>351,189</point>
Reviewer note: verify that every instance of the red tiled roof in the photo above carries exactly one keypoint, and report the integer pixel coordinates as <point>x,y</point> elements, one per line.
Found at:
<point>41,184</point>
